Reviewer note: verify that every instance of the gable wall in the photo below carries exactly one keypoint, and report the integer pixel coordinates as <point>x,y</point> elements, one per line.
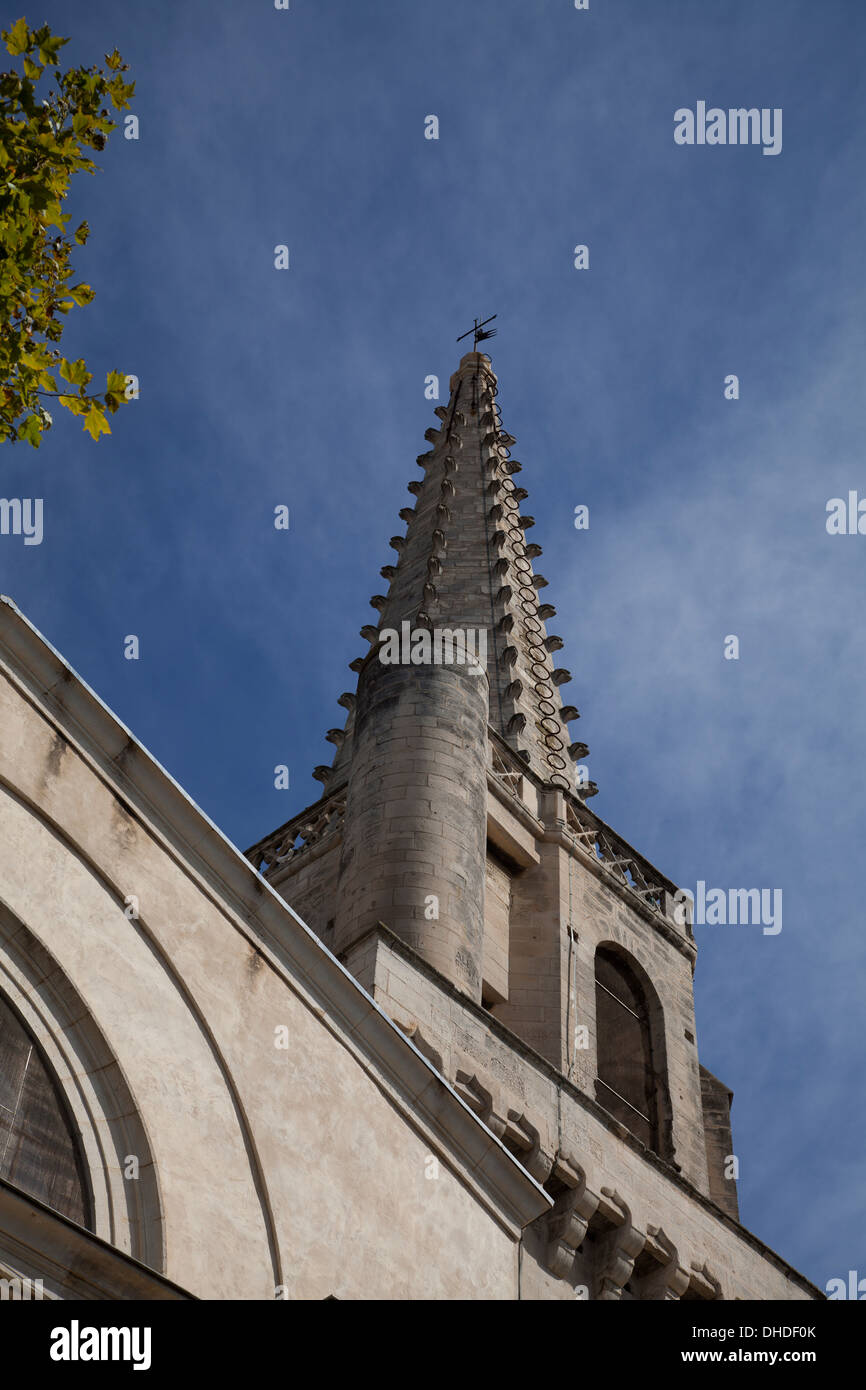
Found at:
<point>274,1165</point>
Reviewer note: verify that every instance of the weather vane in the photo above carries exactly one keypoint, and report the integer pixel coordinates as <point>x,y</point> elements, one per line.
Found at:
<point>479,332</point>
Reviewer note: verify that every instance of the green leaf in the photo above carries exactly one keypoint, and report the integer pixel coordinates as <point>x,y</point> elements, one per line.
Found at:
<point>53,215</point>
<point>116,383</point>
<point>121,92</point>
<point>82,294</point>
<point>32,69</point>
<point>48,48</point>
<point>95,422</point>
<point>18,38</point>
<point>75,373</point>
<point>114,60</point>
<point>31,430</point>
<point>82,233</point>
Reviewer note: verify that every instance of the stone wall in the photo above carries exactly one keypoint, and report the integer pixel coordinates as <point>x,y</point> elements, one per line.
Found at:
<point>622,1217</point>
<point>282,1113</point>
<point>720,1145</point>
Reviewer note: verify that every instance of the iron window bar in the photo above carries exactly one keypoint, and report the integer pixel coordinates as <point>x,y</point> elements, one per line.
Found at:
<point>640,1017</point>
<point>600,1082</point>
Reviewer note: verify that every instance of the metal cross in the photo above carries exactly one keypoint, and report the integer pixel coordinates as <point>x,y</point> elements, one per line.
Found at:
<point>478,331</point>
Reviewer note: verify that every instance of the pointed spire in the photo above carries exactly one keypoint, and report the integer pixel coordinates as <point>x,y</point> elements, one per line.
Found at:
<point>464,563</point>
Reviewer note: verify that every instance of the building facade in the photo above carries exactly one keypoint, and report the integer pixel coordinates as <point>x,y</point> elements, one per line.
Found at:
<point>447,991</point>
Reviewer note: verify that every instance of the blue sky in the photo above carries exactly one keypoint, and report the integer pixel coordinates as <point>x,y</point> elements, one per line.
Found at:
<point>306,388</point>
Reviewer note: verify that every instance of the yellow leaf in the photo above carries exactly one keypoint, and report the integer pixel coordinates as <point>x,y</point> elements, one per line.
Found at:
<point>19,38</point>
<point>95,422</point>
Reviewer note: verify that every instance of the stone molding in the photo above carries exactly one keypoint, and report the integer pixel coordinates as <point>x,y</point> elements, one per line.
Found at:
<point>38,1243</point>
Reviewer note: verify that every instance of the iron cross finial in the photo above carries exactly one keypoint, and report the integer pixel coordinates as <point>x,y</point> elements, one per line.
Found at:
<point>478,332</point>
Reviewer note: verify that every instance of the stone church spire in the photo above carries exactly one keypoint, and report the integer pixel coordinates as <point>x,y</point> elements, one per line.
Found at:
<point>465,563</point>
<point>533,956</point>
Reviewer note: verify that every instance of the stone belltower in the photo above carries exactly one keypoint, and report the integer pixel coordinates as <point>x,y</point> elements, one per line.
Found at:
<point>537,960</point>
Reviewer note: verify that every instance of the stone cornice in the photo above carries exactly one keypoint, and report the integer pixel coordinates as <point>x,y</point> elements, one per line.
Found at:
<point>72,1262</point>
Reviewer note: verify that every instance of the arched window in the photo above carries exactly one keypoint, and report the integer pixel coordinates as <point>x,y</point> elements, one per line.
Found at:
<point>38,1149</point>
<point>630,1078</point>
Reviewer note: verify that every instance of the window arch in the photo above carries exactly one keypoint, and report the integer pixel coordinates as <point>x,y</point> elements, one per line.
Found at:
<point>630,1082</point>
<point>39,1151</point>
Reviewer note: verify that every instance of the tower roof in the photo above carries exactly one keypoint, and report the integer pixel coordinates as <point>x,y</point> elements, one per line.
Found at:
<point>465,563</point>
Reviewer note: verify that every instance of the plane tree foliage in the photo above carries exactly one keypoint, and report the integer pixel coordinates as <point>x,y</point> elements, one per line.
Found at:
<point>47,133</point>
